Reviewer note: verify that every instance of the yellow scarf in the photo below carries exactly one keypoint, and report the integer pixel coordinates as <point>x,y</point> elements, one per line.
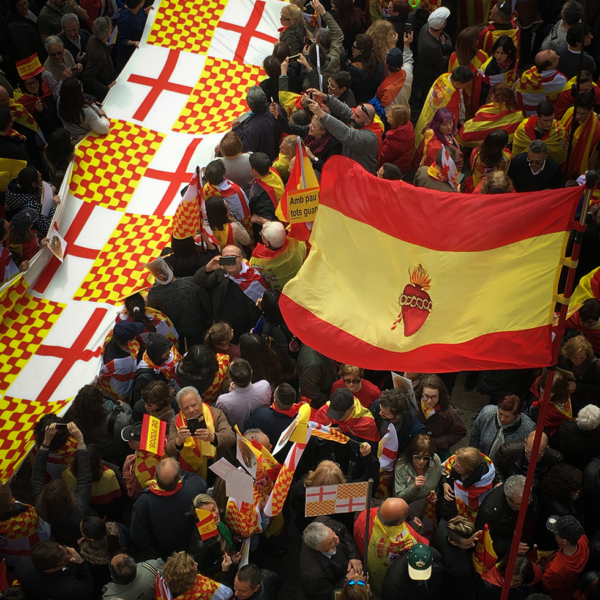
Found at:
<point>195,451</point>
<point>428,412</point>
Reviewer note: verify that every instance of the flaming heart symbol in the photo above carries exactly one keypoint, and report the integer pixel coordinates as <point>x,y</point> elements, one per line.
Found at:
<point>415,302</point>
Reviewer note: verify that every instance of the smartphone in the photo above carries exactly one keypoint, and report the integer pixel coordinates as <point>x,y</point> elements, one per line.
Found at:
<point>193,425</point>
<point>237,547</point>
<point>60,425</point>
<point>408,28</point>
<point>310,95</point>
<point>227,261</point>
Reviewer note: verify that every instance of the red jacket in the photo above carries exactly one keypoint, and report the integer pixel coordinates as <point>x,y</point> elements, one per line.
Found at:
<point>398,147</point>
<point>560,575</point>
<point>369,392</point>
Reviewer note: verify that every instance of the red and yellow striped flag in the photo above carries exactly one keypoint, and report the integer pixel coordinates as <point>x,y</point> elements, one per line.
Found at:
<point>474,289</point>
<point>489,118</point>
<point>207,528</point>
<point>153,435</point>
<point>484,557</point>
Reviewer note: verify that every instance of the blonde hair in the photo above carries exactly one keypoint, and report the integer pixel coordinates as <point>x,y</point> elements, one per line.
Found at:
<point>398,115</point>
<point>180,573</point>
<point>461,527</point>
<point>350,370</point>
<point>497,179</point>
<point>291,141</point>
<point>217,335</point>
<point>577,344</point>
<point>327,473</point>
<point>202,499</point>
<point>293,13</point>
<point>382,33</point>
<point>470,459</point>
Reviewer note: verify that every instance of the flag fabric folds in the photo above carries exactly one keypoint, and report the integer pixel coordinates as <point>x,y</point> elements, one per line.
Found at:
<point>475,289</point>
<point>484,557</point>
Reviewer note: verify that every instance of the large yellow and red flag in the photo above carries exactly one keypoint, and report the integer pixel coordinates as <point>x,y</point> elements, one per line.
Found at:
<point>488,118</point>
<point>430,281</point>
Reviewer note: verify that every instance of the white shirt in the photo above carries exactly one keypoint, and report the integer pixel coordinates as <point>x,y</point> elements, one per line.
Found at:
<point>238,404</point>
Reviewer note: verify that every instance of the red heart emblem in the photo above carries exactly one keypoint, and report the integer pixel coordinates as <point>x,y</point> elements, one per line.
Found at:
<point>415,302</point>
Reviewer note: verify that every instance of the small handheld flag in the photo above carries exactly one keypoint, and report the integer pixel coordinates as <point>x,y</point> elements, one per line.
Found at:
<point>154,435</point>
<point>207,527</point>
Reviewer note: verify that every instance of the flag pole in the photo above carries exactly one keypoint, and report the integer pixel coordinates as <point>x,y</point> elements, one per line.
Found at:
<point>571,263</point>
<point>367,525</point>
<point>198,196</point>
<point>566,175</point>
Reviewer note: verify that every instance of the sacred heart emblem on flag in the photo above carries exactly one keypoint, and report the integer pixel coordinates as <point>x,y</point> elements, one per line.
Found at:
<point>415,302</point>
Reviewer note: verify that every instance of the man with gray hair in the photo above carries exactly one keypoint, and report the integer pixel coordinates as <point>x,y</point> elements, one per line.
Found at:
<point>328,555</point>
<point>198,433</point>
<point>99,73</point>
<point>161,515</point>
<point>59,66</point>
<point>258,129</point>
<point>534,170</point>
<point>131,581</point>
<point>74,38</point>
<point>500,510</point>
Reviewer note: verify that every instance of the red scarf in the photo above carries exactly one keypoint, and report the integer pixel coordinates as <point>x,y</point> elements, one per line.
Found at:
<point>14,135</point>
<point>290,412</point>
<point>250,281</point>
<point>167,368</point>
<point>378,131</point>
<point>390,87</point>
<point>158,491</point>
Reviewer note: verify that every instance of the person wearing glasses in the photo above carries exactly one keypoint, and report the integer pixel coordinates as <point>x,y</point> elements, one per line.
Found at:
<point>59,66</point>
<point>352,378</point>
<point>441,419</point>
<point>418,473</point>
<point>534,170</point>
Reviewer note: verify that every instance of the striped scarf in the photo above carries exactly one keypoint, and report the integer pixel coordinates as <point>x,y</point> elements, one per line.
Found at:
<point>429,412</point>
<point>250,282</point>
<point>21,525</point>
<point>22,116</point>
<point>193,456</point>
<point>555,139</point>
<point>273,185</point>
<point>166,368</point>
<point>585,141</point>
<point>489,118</point>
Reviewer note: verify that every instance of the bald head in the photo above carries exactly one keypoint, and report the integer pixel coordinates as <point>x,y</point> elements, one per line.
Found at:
<point>529,445</point>
<point>393,512</point>
<point>545,60</point>
<point>235,269</point>
<point>167,474</point>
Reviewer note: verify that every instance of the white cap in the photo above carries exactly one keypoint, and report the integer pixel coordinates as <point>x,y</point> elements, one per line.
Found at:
<point>438,17</point>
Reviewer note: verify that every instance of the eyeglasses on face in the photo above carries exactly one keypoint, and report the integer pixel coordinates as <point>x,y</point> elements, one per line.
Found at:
<point>428,397</point>
<point>57,53</point>
<point>351,381</point>
<point>419,457</point>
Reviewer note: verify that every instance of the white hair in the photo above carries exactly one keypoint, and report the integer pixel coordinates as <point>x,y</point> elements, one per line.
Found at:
<point>514,486</point>
<point>588,417</point>
<point>68,18</point>
<point>184,391</point>
<point>274,233</point>
<point>53,40</point>
<point>315,534</point>
<point>101,27</point>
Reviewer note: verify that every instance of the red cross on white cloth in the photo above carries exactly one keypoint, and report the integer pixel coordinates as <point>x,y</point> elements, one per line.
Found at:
<point>350,504</point>
<point>319,494</point>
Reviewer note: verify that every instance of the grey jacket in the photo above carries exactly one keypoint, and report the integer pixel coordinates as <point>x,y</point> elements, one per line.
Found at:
<point>486,426</point>
<point>143,587</point>
<point>332,64</point>
<point>360,145</point>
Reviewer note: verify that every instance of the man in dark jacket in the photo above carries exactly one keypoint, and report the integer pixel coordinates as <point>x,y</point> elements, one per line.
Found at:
<point>395,407</point>
<point>328,554</point>
<point>512,458</point>
<point>99,73</point>
<point>160,516</point>
<point>579,440</point>
<point>74,38</point>
<point>53,571</point>
<point>251,583</point>
<point>257,129</point>
<point>500,510</point>
<point>417,575</point>
<point>534,170</point>
<point>455,540</point>
<point>317,374</point>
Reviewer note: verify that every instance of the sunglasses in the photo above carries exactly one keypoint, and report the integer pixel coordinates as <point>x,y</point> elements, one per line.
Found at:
<point>364,108</point>
<point>356,582</point>
<point>351,381</point>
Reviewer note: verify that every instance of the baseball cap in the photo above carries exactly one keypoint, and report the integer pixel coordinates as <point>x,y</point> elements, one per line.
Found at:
<point>341,401</point>
<point>394,59</point>
<point>132,433</point>
<point>126,330</point>
<point>156,346</point>
<point>419,562</point>
<point>22,220</point>
<point>568,527</point>
<point>438,17</point>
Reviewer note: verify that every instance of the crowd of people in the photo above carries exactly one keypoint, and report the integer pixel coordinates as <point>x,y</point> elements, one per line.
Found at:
<point>94,513</point>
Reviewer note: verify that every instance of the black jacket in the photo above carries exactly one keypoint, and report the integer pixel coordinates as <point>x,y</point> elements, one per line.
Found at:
<point>525,181</point>
<point>577,445</point>
<point>260,203</point>
<point>433,58</point>
<point>502,521</point>
<point>406,428</point>
<point>73,584</point>
<point>207,553</point>
<point>269,421</point>
<point>68,531</point>
<point>397,584</point>
<point>322,575</point>
<point>460,577</point>
<point>317,374</point>
<point>447,509</point>
<point>588,383</point>
<point>269,585</point>
<point>259,133</point>
<point>162,522</point>
<point>509,461</point>
<point>99,70</point>
<point>84,37</point>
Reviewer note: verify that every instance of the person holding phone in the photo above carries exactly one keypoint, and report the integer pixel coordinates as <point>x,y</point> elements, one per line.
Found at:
<point>197,432</point>
<point>400,15</point>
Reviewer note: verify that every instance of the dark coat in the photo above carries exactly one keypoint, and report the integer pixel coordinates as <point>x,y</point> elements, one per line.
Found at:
<point>269,585</point>
<point>406,428</point>
<point>460,577</point>
<point>68,531</point>
<point>502,521</point>
<point>397,584</point>
<point>509,461</point>
<point>322,575</point>
<point>260,204</point>
<point>24,38</point>
<point>364,85</point>
<point>84,37</point>
<point>14,149</point>
<point>74,583</point>
<point>446,427</point>
<point>294,37</point>
<point>271,422</point>
<point>447,509</point>
<point>317,374</point>
<point>259,133</point>
<point>162,522</point>
<point>577,445</point>
<point>207,553</point>
<point>588,383</point>
<point>229,303</point>
<point>99,70</point>
<point>433,58</point>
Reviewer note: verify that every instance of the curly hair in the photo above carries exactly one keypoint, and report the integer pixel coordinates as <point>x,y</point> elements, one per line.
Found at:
<point>87,410</point>
<point>180,573</point>
<point>561,482</point>
<point>396,400</point>
<point>326,473</point>
<point>382,32</point>
<point>497,182</point>
<point>503,94</point>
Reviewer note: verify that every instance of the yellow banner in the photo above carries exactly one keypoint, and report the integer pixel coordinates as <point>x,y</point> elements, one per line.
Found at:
<point>303,205</point>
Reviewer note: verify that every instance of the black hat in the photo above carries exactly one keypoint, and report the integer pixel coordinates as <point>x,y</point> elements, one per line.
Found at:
<point>568,527</point>
<point>394,59</point>
<point>132,433</point>
<point>24,219</point>
<point>156,346</point>
<point>341,401</point>
<point>127,330</point>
